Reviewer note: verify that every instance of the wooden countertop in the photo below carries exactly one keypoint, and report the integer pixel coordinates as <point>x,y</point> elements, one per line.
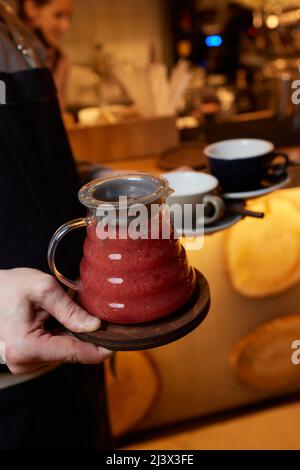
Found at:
<point>147,164</point>
<point>224,327</point>
<point>272,429</point>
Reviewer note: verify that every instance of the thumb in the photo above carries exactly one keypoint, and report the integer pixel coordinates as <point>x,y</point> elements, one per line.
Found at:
<point>54,300</point>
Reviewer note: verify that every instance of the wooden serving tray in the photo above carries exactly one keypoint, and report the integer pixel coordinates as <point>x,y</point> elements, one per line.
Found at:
<point>136,337</point>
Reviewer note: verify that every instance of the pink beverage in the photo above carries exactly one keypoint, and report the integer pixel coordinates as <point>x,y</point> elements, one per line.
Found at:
<point>125,280</point>
<point>134,281</point>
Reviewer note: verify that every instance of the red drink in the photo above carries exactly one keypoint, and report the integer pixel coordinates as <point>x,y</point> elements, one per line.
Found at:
<point>134,281</point>
<point>128,280</point>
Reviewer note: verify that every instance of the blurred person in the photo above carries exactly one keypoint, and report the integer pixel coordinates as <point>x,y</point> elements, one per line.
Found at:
<point>51,19</point>
<point>51,384</point>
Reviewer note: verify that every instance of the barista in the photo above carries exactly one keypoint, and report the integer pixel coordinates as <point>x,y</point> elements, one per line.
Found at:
<point>43,403</point>
<point>51,19</point>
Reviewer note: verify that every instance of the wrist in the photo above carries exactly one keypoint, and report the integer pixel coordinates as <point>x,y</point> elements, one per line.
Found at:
<point>2,353</point>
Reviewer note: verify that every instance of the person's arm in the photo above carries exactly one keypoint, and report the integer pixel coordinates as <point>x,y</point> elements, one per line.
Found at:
<point>27,299</point>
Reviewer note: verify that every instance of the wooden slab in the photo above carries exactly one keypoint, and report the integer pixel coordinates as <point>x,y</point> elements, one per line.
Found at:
<point>134,138</point>
<point>158,333</point>
<point>263,359</point>
<point>262,257</point>
<point>132,391</point>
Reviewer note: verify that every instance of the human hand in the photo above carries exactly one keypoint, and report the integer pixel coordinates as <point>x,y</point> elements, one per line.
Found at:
<point>27,299</point>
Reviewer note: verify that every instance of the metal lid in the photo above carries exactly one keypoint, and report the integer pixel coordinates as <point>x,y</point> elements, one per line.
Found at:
<point>139,188</point>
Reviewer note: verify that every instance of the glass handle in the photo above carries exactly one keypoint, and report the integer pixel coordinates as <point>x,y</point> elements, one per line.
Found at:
<point>57,237</point>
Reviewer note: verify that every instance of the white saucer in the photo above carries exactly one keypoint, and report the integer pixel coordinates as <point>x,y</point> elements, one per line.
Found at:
<point>284,181</point>
<point>228,221</point>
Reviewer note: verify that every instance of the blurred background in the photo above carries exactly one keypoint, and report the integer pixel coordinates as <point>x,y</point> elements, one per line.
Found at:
<point>144,77</point>
<point>243,55</point>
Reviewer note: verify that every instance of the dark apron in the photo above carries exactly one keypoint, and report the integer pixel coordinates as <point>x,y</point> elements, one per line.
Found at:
<point>64,409</point>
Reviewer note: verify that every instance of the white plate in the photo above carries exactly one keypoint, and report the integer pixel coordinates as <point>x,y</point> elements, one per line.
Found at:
<point>259,192</point>
<point>227,222</point>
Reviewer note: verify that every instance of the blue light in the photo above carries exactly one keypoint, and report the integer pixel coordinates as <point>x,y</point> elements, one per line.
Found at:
<point>213,41</point>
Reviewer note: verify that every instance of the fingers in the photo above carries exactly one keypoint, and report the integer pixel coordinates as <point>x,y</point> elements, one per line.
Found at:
<point>24,345</point>
<point>68,349</point>
<point>31,368</point>
<point>47,350</point>
<point>52,298</point>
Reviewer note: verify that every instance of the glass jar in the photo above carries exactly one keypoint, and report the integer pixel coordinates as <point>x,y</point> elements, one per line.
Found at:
<point>134,269</point>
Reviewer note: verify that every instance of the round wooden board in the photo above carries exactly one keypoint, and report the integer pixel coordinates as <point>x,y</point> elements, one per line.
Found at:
<point>132,392</point>
<point>263,359</point>
<point>118,337</point>
<point>262,257</point>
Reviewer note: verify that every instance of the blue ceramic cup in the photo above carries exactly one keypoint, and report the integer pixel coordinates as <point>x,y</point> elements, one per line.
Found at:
<point>243,164</point>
